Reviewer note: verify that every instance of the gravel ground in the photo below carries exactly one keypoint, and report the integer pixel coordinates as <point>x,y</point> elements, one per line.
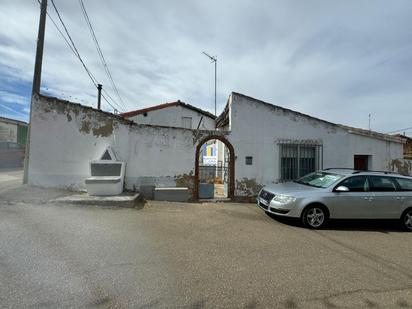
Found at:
<point>172,255</point>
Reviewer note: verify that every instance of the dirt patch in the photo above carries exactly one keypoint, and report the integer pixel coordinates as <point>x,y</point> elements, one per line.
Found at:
<point>186,181</point>
<point>248,187</point>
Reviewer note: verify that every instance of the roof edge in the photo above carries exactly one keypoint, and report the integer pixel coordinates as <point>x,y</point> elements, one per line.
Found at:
<point>166,105</point>
<point>14,121</point>
<point>349,129</point>
<point>125,121</point>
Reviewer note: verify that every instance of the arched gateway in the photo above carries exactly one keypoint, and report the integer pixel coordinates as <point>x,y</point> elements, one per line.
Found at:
<point>231,164</point>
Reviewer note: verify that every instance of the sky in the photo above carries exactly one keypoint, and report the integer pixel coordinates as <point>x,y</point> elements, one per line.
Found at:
<point>335,60</point>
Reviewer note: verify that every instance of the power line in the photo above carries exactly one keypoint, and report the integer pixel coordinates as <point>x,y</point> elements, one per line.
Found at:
<point>107,101</point>
<point>72,43</point>
<point>401,130</point>
<point>12,110</point>
<point>73,48</point>
<point>99,50</point>
<point>58,29</point>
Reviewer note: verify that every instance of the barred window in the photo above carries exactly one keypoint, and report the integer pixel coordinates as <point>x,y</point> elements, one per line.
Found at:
<point>297,160</point>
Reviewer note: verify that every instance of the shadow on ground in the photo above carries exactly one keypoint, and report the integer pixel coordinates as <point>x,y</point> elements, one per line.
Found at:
<point>360,225</point>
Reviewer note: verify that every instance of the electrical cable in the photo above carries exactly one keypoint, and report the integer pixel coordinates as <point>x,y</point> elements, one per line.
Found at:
<point>99,50</point>
<point>75,51</point>
<point>401,130</point>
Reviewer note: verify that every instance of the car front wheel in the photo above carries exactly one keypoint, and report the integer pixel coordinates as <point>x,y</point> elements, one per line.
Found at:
<point>314,217</point>
<point>407,220</point>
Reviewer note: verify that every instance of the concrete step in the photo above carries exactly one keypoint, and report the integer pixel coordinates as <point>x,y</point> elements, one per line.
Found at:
<point>126,200</point>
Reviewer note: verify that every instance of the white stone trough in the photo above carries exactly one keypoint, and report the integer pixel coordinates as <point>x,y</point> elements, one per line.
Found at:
<point>107,175</point>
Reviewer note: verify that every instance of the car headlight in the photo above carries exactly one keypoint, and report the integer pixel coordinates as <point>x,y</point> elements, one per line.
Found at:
<point>284,199</point>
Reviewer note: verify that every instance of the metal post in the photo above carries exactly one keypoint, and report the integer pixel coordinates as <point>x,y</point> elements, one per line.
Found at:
<point>99,95</point>
<point>369,122</point>
<point>213,59</point>
<point>215,83</point>
<point>36,80</point>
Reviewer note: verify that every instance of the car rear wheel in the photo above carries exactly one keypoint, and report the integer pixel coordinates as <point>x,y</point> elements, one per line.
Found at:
<point>407,220</point>
<point>314,217</point>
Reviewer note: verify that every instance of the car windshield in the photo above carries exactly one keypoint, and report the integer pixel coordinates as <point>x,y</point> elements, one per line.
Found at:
<point>319,179</point>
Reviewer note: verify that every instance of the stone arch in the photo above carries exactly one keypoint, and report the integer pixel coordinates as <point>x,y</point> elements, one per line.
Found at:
<point>231,189</point>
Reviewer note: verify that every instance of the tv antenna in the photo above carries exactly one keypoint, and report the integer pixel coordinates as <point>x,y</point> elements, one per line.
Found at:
<point>213,59</point>
<point>369,122</point>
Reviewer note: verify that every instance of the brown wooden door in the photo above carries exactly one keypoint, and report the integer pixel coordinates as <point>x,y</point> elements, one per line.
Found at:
<point>361,162</point>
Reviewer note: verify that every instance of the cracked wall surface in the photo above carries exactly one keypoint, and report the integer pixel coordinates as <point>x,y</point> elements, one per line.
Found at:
<point>401,166</point>
<point>67,136</point>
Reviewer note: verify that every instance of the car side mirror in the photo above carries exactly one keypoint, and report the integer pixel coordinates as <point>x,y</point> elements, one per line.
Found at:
<point>342,189</point>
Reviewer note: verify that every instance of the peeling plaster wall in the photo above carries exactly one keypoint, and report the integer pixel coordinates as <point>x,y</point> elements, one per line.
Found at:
<point>401,166</point>
<point>172,117</point>
<point>65,137</point>
<point>257,128</point>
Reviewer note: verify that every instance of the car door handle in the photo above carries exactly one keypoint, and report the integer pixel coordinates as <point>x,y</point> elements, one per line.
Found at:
<point>368,198</point>
<point>399,197</point>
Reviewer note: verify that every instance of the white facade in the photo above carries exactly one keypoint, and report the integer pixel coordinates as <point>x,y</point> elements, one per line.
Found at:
<point>178,115</point>
<point>258,129</point>
<point>65,137</point>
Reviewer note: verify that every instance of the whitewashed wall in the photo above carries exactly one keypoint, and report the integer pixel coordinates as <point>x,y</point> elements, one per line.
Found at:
<point>256,129</point>
<point>172,117</point>
<point>65,137</point>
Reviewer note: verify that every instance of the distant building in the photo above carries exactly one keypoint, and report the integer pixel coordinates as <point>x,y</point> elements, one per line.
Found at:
<point>175,114</point>
<point>407,148</point>
<point>12,130</point>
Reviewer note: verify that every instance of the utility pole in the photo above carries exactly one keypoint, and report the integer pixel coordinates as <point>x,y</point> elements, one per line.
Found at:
<point>99,95</point>
<point>36,80</point>
<point>213,59</point>
<point>39,50</point>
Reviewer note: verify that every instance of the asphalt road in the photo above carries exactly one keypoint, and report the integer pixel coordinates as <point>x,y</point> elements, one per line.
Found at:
<point>170,255</point>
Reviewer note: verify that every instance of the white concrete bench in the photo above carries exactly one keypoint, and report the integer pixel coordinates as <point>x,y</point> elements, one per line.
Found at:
<point>178,194</point>
<point>107,177</point>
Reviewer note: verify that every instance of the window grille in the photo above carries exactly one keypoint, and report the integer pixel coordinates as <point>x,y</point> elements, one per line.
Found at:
<point>249,160</point>
<point>297,160</point>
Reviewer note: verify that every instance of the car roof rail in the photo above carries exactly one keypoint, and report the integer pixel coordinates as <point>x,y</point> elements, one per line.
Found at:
<point>369,171</point>
<point>338,168</point>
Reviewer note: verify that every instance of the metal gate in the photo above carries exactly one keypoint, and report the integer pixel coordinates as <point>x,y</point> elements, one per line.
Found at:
<point>213,174</point>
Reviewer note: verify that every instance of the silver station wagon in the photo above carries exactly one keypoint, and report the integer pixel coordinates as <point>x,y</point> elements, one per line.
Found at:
<point>341,194</point>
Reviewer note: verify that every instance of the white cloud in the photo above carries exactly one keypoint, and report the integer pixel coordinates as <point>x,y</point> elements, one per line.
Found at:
<point>334,60</point>
<point>13,98</point>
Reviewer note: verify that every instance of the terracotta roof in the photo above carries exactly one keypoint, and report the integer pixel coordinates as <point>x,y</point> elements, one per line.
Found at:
<point>166,105</point>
